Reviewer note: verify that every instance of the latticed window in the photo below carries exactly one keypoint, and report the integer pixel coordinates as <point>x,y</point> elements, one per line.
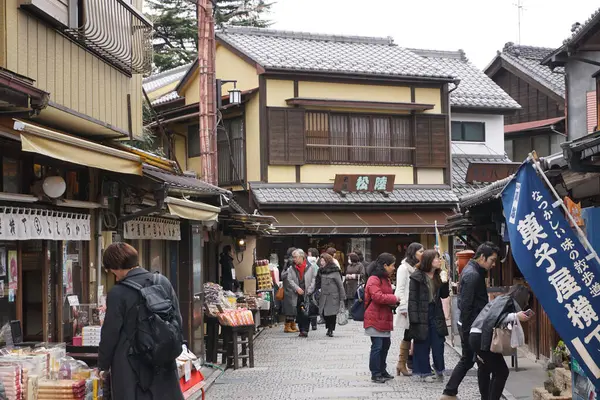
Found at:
<point>230,150</point>
<point>358,139</point>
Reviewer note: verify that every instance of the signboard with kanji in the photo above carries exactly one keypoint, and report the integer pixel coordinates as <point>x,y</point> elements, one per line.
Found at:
<point>364,183</point>
<point>559,269</point>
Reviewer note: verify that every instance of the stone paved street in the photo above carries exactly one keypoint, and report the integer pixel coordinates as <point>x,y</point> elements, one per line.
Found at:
<point>288,367</point>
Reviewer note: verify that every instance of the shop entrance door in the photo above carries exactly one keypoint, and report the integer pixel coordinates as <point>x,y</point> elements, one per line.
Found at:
<point>34,308</point>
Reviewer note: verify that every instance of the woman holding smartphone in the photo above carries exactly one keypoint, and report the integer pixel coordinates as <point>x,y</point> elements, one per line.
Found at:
<point>492,372</point>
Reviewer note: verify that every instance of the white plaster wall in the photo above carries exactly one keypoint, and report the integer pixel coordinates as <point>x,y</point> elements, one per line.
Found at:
<point>494,135</point>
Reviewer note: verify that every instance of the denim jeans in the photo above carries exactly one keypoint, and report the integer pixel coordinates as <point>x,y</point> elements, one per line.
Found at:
<point>379,351</point>
<point>434,344</point>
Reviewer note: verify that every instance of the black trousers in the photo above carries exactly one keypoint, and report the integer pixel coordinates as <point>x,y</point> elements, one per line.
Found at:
<point>467,360</point>
<point>492,373</point>
<point>330,321</point>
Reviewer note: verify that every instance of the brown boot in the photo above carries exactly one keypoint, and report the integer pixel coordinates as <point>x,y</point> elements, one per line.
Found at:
<point>401,366</point>
<point>294,327</point>
<point>288,328</point>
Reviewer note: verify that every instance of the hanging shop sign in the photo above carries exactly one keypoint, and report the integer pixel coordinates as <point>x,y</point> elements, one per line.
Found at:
<point>30,224</point>
<point>152,228</point>
<point>557,266</point>
<point>575,211</point>
<point>364,183</point>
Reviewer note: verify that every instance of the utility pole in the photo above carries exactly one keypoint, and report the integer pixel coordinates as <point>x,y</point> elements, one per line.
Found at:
<point>207,103</point>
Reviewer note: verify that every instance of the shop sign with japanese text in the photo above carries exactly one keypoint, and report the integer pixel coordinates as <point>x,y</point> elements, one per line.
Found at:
<point>364,183</point>
<point>30,224</point>
<point>563,275</point>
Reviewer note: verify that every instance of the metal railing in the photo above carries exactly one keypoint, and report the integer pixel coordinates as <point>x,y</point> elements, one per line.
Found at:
<point>116,32</point>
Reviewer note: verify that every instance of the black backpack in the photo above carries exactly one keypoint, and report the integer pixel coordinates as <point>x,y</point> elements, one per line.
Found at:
<point>156,337</point>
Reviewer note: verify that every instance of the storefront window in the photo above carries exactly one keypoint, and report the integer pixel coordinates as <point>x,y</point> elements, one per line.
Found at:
<point>8,309</point>
<point>72,283</point>
<point>158,260</point>
<point>10,175</point>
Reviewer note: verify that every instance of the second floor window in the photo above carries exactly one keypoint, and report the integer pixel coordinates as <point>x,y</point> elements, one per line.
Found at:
<point>230,150</point>
<point>358,139</point>
<point>193,145</point>
<point>468,131</point>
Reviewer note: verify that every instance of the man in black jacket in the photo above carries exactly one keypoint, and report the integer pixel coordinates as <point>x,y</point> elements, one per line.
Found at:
<point>472,298</point>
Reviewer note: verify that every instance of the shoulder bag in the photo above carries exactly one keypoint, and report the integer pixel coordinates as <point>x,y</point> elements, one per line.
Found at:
<point>501,340</point>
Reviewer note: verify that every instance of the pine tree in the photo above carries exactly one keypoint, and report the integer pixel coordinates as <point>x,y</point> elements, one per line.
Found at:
<point>176,26</point>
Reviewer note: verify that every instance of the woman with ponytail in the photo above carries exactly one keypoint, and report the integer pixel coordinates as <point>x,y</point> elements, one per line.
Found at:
<point>380,301</point>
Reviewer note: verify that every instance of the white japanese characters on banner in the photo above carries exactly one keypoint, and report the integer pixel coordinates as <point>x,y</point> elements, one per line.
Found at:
<point>152,228</point>
<point>29,224</point>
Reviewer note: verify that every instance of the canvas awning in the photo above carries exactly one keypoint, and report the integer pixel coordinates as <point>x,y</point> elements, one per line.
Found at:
<point>40,140</point>
<point>192,210</point>
<point>358,222</point>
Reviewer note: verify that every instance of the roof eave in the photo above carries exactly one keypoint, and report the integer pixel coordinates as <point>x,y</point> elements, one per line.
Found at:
<point>359,76</point>
<point>353,205</point>
<point>485,110</point>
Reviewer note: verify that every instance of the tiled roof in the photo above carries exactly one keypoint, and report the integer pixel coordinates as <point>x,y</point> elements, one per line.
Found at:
<point>324,195</point>
<point>166,98</point>
<point>164,78</point>
<point>579,29</point>
<point>526,126</point>
<point>528,60</point>
<point>476,89</point>
<point>460,166</point>
<point>183,182</point>
<point>485,194</point>
<point>297,51</point>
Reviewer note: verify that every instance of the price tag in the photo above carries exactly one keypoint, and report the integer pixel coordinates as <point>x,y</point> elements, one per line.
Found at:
<point>188,371</point>
<point>73,300</point>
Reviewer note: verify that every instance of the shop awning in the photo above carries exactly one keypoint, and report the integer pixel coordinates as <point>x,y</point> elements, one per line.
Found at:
<point>192,210</point>
<point>358,222</point>
<point>36,139</point>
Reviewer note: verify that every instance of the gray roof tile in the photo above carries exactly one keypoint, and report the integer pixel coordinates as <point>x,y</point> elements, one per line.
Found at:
<point>166,98</point>
<point>297,51</point>
<point>528,60</point>
<point>476,89</point>
<point>460,166</point>
<point>288,194</point>
<point>157,81</point>
<point>579,29</point>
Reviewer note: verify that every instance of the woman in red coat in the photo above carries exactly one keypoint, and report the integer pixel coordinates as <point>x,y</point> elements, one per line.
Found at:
<point>380,300</point>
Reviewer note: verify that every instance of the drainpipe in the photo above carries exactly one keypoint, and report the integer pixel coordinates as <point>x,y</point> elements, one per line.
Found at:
<point>456,83</point>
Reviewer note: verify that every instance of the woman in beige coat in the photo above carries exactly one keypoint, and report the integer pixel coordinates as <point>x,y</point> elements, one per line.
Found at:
<point>405,270</point>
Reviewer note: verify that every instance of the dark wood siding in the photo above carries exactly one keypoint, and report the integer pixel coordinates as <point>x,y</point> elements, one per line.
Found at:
<point>286,136</point>
<point>231,152</point>
<point>536,105</point>
<point>432,142</point>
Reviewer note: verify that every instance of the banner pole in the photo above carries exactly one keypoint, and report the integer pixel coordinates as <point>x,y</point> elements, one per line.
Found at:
<point>582,237</point>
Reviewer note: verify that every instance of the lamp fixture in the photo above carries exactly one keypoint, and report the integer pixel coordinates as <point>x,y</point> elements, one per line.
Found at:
<point>54,186</point>
<point>235,96</point>
<point>240,245</point>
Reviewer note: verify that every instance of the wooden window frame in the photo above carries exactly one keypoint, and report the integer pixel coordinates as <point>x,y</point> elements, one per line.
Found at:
<point>462,131</point>
<point>233,151</point>
<point>190,149</point>
<point>372,154</point>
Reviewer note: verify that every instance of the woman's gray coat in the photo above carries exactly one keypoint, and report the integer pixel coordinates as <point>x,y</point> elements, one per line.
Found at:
<point>114,345</point>
<point>333,294</point>
<point>291,283</point>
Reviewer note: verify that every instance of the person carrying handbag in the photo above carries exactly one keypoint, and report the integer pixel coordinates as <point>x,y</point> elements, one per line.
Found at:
<point>486,336</point>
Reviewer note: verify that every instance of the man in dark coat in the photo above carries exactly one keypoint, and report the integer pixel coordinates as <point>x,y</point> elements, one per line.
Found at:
<point>130,378</point>
<point>227,268</point>
<point>472,299</point>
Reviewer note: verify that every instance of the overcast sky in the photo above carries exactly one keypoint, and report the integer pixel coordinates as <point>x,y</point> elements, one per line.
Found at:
<point>472,25</point>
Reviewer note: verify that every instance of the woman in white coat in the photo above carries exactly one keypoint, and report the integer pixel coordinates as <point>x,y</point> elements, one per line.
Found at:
<point>405,270</point>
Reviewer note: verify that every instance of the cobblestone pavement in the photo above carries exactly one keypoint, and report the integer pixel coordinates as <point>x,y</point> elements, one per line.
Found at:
<point>289,367</point>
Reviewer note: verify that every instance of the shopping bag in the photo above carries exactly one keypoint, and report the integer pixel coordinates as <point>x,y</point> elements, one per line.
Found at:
<point>517,336</point>
<point>501,341</point>
<point>280,294</point>
<point>342,317</point>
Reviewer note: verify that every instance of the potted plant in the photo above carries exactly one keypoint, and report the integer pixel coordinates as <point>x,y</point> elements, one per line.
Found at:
<point>561,355</point>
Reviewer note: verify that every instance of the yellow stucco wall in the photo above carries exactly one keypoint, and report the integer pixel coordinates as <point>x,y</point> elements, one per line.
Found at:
<point>162,91</point>
<point>195,164</point>
<point>278,91</point>
<point>429,96</point>
<point>75,78</point>
<point>253,140</point>
<point>430,176</point>
<point>313,173</point>
<point>180,152</point>
<point>343,91</point>
<point>282,174</point>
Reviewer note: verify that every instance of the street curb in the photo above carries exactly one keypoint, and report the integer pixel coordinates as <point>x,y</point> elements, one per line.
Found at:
<point>506,395</point>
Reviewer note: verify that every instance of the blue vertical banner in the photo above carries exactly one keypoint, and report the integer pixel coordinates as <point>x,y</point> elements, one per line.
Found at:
<point>561,272</point>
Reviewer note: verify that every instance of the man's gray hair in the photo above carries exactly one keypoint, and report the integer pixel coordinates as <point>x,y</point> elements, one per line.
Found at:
<point>299,252</point>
